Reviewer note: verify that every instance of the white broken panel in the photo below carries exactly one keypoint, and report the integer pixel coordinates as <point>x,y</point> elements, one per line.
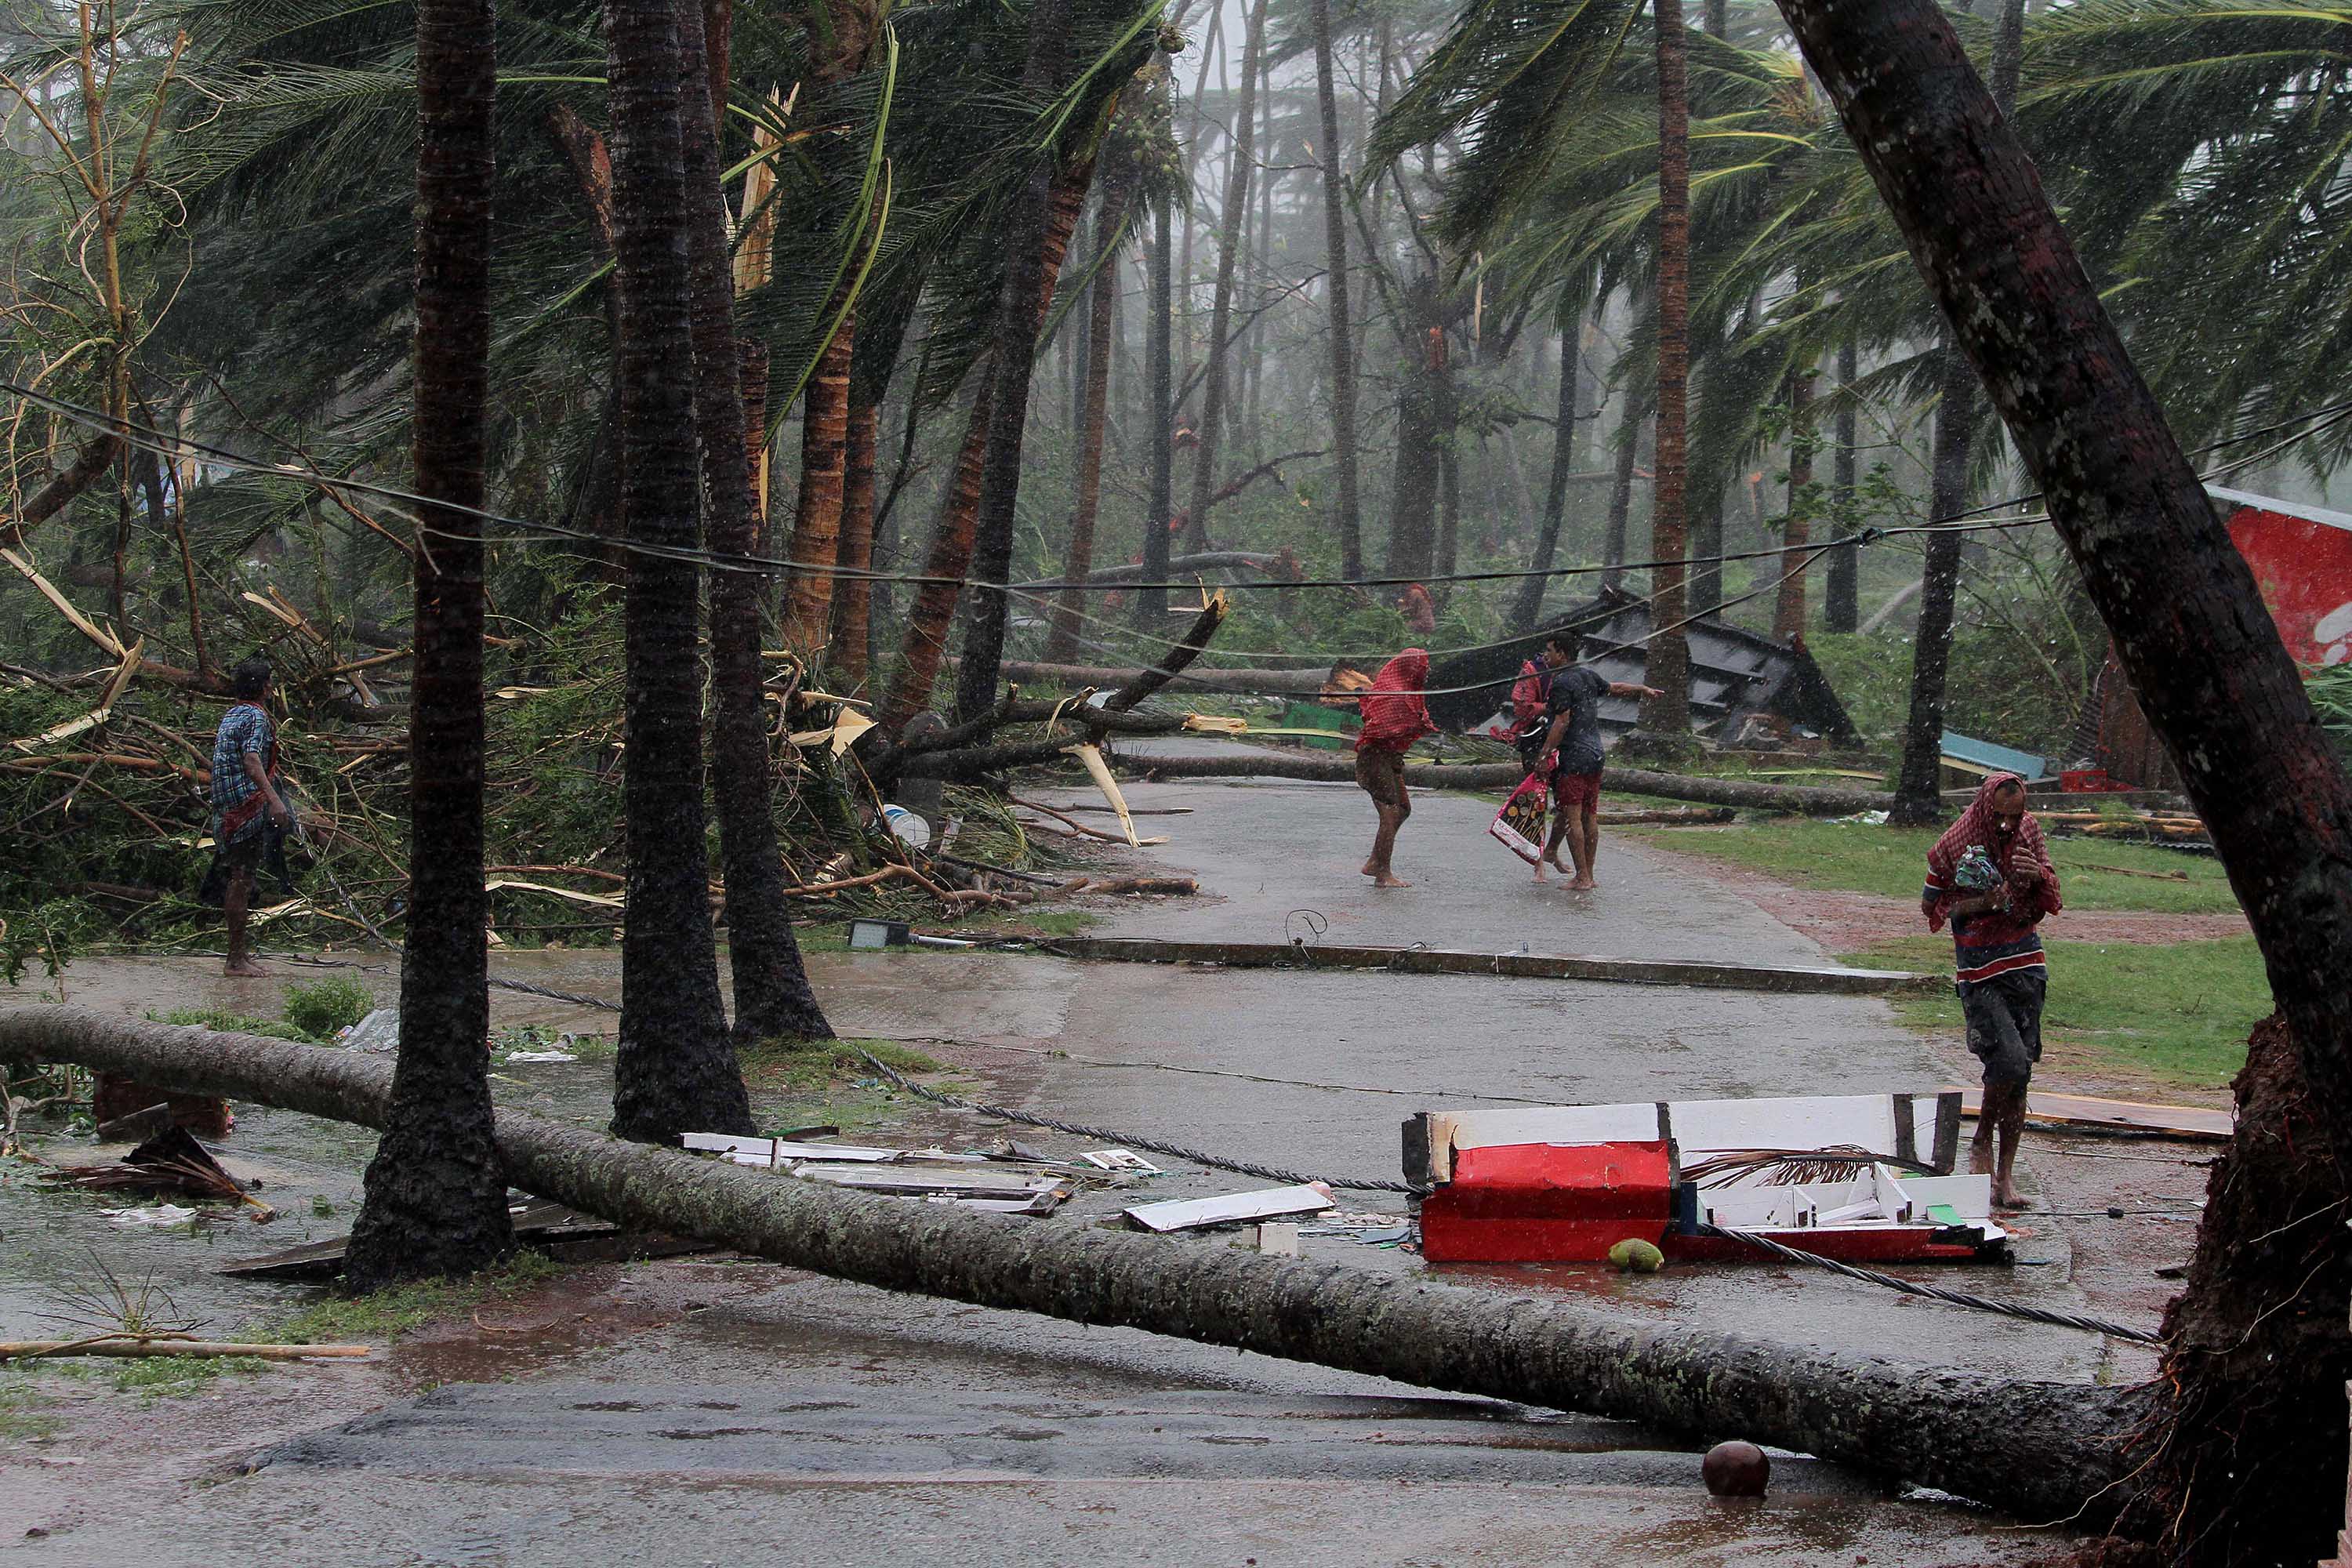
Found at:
<point>1185,1214</point>
<point>764,1152</point>
<point>907,1182</point>
<point>1119,1159</point>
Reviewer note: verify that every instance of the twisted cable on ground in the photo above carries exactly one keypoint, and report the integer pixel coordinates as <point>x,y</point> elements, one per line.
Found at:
<point>1079,1129</point>
<point>2055,1319</point>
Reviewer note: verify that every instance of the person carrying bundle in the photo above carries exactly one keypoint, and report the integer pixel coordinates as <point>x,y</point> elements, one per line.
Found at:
<point>1989,875</point>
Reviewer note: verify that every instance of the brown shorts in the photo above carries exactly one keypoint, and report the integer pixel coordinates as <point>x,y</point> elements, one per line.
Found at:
<point>1380,774</point>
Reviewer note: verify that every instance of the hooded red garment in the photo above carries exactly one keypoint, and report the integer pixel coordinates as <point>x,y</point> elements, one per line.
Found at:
<point>1395,715</point>
<point>1977,825</point>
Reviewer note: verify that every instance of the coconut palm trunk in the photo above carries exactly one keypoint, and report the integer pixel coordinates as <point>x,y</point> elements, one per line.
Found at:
<point>1019,314</point>
<point>1346,515</point>
<point>1216,376</point>
<point>1567,451</point>
<point>825,471</point>
<point>1789,611</point>
<point>1160,426</point>
<point>852,594</point>
<point>2243,1460</point>
<point>1917,797</point>
<point>436,1195</point>
<point>1110,218</point>
<point>772,997</point>
<point>932,613</point>
<point>1667,665</point>
<point>1841,594</point>
<point>674,1072</point>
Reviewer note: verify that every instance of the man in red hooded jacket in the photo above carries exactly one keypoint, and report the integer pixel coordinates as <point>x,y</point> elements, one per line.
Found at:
<point>1396,714</point>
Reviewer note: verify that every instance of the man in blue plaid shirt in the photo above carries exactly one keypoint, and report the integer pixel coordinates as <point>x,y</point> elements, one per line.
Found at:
<point>246,802</point>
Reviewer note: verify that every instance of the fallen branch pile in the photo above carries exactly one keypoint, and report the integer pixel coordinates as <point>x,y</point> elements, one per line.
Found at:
<point>2057,1453</point>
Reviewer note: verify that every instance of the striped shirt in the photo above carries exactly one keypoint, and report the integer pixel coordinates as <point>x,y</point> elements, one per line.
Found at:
<point>1996,943</point>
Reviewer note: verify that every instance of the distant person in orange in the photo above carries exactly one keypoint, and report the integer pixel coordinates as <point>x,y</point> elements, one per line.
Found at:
<point>1396,714</point>
<point>1419,609</point>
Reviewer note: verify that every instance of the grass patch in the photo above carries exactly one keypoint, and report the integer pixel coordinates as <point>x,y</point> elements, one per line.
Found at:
<point>814,1065</point>
<point>824,1080</point>
<point>167,1377</point>
<point>1892,861</point>
<point>403,1308</point>
<point>229,1023</point>
<point>23,1409</point>
<point>2176,1013</point>
<point>324,1007</point>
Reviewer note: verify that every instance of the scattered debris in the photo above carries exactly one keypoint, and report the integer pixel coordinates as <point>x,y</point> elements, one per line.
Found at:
<point>379,1031</point>
<point>1119,1159</point>
<point>1837,1177</point>
<point>1277,1238</point>
<point>935,1175</point>
<point>159,1217</point>
<point>172,1161</point>
<point>1190,1213</point>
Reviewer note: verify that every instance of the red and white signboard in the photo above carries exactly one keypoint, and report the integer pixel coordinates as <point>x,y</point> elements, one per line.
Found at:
<point>2302,557</point>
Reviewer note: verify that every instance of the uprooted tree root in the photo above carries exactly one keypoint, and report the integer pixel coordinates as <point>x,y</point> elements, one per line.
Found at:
<point>2242,1458</point>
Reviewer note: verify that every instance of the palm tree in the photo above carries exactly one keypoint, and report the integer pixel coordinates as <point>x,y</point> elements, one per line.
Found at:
<point>1346,514</point>
<point>772,997</point>
<point>1119,179</point>
<point>435,1199</point>
<point>674,1072</point>
<point>1012,358</point>
<point>852,596</point>
<point>957,531</point>
<point>1567,452</point>
<point>840,35</point>
<point>1788,608</point>
<point>1667,663</point>
<point>1159,426</point>
<point>1213,413</point>
<point>1840,608</point>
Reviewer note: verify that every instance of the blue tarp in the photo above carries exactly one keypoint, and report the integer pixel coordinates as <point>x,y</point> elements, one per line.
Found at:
<point>1995,759</point>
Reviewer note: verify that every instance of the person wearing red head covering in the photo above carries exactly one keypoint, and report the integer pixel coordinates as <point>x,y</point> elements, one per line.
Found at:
<point>1396,714</point>
<point>1989,875</point>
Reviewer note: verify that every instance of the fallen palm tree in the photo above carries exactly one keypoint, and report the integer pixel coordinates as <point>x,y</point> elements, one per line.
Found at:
<point>2053,1452</point>
<point>1809,800</point>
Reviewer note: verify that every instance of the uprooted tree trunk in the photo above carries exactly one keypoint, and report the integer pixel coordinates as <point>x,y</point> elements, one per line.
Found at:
<point>2244,1458</point>
<point>2041,1451</point>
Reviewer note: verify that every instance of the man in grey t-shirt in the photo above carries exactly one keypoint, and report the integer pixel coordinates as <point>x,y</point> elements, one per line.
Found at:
<point>1570,754</point>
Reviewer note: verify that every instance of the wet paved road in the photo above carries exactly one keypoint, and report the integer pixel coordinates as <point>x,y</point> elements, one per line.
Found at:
<point>805,1420</point>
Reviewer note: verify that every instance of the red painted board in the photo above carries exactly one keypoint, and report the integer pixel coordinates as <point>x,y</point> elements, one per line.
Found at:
<point>1545,1203</point>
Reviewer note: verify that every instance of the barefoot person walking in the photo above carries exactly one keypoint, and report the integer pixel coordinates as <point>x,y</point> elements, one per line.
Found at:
<point>1396,714</point>
<point>1569,753</point>
<point>1990,876</point>
<point>245,798</point>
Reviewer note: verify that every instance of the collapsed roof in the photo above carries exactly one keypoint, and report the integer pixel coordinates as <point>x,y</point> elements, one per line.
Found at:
<point>1733,673</point>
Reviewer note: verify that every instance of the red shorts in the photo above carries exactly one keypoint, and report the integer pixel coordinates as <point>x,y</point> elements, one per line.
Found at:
<point>1581,791</point>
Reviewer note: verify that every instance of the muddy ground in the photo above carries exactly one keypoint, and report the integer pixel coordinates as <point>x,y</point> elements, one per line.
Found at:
<point>704,1409</point>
